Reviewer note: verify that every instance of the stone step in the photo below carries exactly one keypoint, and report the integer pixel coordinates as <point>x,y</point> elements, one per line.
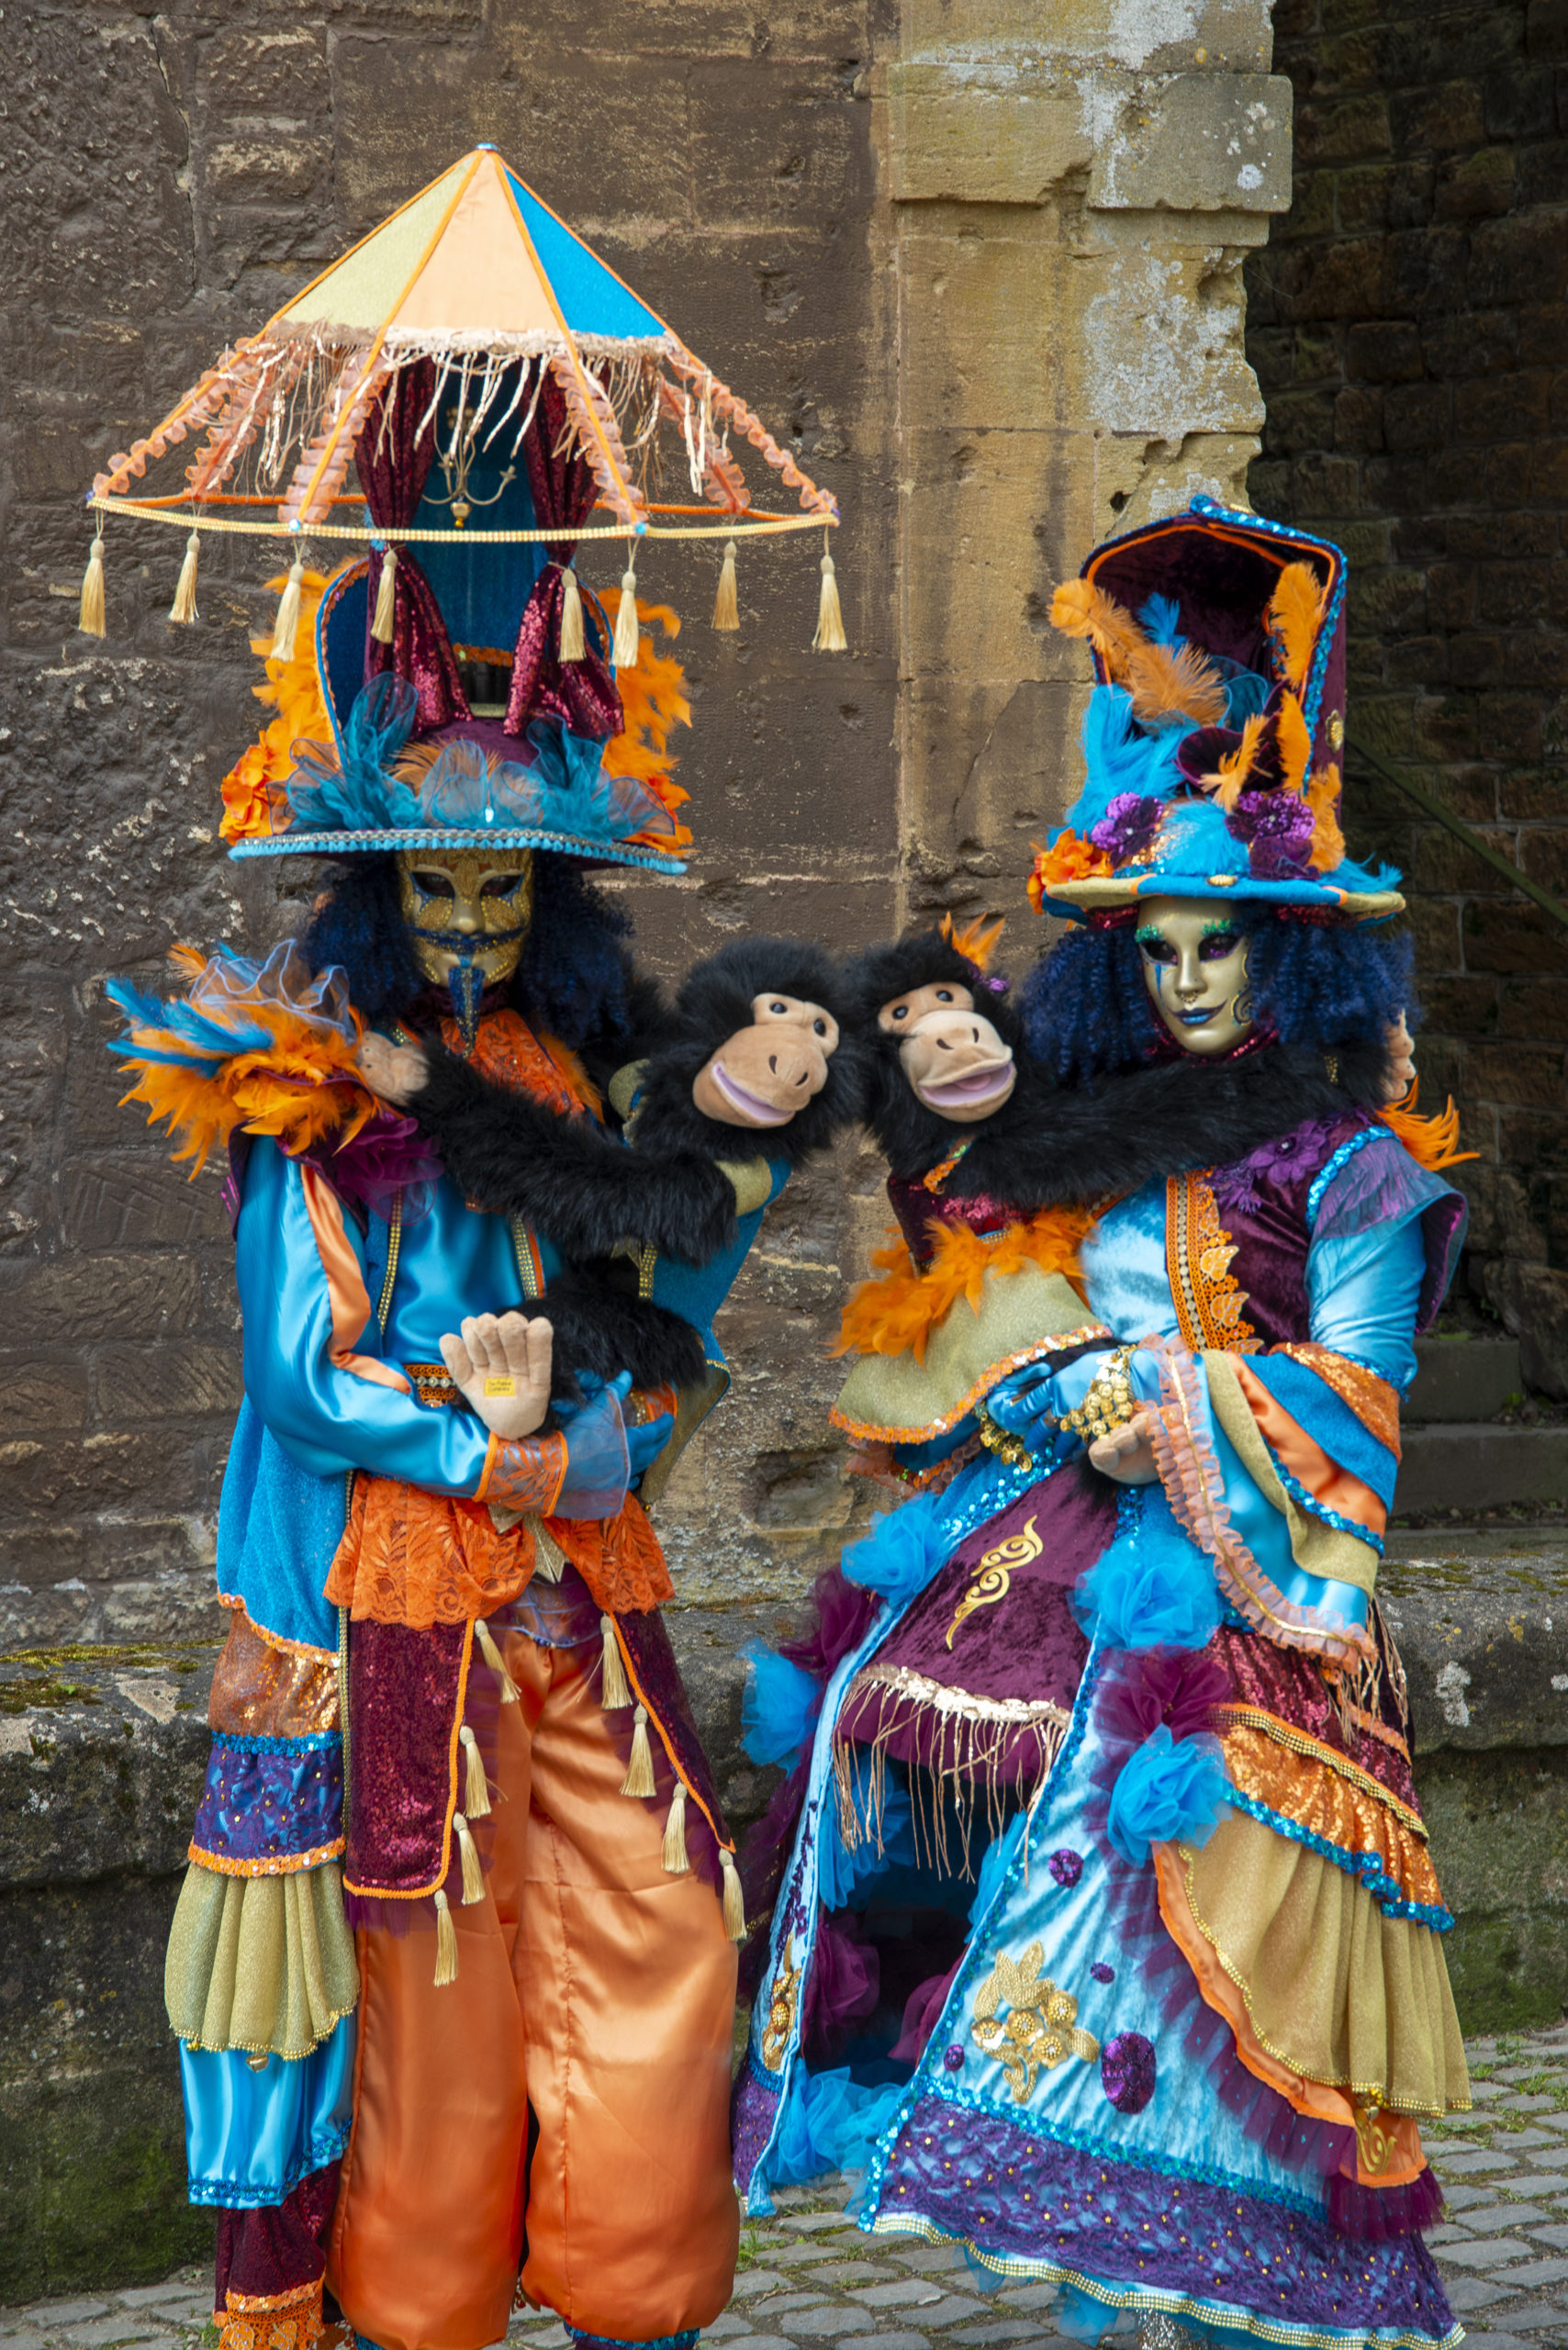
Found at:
<point>1463,1378</point>
<point>1459,1464</point>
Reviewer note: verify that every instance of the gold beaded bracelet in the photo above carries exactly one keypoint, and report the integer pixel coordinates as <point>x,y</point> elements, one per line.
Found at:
<point>1109,1402</point>
<point>1009,1449</point>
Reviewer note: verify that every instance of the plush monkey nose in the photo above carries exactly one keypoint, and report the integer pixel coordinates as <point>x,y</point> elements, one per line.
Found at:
<point>957,1065</point>
<point>762,1076</point>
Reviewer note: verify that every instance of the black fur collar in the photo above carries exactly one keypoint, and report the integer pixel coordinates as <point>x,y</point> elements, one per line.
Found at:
<point>1047,1147</point>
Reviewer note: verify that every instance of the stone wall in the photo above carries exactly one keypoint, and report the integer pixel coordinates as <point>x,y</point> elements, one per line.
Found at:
<point>1409,326</point>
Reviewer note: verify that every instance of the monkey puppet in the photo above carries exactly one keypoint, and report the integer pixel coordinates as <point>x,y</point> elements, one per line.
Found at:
<point>748,1074</point>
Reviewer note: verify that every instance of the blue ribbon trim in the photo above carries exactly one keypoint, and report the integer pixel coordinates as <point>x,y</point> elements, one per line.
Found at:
<point>1307,1501</point>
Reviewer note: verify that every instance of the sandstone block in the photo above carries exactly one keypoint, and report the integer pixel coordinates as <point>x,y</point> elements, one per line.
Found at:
<point>1196,142</point>
<point>976,145</point>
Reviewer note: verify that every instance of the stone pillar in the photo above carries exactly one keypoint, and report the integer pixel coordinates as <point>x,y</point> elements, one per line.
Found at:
<point>1073,194</point>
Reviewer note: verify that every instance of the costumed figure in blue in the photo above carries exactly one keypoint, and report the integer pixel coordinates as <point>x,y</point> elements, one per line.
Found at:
<point>453,1970</point>
<point>1104,1938</point>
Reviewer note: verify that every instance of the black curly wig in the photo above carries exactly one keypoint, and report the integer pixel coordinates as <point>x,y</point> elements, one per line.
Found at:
<point>1087,1012</point>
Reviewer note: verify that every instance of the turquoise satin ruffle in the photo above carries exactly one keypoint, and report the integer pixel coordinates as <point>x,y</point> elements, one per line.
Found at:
<point>250,2137</point>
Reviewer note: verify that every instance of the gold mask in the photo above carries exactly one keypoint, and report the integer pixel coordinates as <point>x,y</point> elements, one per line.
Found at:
<point>1194,966</point>
<point>468,912</point>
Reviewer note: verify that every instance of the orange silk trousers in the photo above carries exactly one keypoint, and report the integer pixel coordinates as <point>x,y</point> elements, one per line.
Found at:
<point>589,1985</point>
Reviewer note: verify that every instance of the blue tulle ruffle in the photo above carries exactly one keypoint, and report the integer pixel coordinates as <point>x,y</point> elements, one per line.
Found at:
<point>1152,1587</point>
<point>778,1707</point>
<point>901,1552</point>
<point>1169,1787</point>
<point>830,2123</point>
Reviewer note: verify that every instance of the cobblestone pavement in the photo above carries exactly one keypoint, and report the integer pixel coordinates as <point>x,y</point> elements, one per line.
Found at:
<point>808,2277</point>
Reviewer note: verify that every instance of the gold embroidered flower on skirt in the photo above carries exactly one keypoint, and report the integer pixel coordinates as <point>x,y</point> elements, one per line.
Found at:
<point>1041,2030</point>
<point>782,1999</point>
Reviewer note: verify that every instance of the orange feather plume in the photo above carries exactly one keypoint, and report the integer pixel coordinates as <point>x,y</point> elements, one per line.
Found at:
<point>1432,1142</point>
<point>254,801</point>
<point>977,940</point>
<point>1163,684</point>
<point>898,1314</point>
<point>1327,840</point>
<point>1230,776</point>
<point>652,698</point>
<point>1295,744</point>
<point>1294,617</point>
<point>301,1086</point>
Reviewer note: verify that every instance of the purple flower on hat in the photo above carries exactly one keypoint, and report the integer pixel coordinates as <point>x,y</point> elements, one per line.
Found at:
<point>1127,2070</point>
<point>1129,823</point>
<point>1277,827</point>
<point>1066,1865</point>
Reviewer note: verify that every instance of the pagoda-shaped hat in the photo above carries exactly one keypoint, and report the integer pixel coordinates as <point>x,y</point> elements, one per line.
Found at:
<point>1213,736</point>
<point>499,393</point>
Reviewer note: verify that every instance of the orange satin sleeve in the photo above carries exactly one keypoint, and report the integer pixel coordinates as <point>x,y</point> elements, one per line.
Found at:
<point>348,1298</point>
<point>1307,1461</point>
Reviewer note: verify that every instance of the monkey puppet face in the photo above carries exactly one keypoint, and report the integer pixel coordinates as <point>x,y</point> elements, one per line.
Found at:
<point>951,1056</point>
<point>762,1075</point>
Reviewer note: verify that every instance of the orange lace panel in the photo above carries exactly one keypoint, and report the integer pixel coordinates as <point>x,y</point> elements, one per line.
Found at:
<point>527,1474</point>
<point>287,2321</point>
<point>507,1051</point>
<point>1210,1301</point>
<point>260,1691</point>
<point>618,1557</point>
<point>411,1557</point>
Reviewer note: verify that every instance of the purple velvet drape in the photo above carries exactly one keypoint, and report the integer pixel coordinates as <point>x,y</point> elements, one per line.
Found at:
<point>393,470</point>
<point>581,693</point>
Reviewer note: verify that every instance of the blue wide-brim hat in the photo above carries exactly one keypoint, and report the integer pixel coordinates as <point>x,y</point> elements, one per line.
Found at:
<point>469,785</point>
<point>1215,733</point>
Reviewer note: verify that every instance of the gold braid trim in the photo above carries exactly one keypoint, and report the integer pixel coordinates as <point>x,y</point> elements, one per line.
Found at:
<point>1301,1741</point>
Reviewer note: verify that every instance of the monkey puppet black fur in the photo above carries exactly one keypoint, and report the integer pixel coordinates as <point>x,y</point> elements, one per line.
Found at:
<point>591,1194</point>
<point>1048,1146</point>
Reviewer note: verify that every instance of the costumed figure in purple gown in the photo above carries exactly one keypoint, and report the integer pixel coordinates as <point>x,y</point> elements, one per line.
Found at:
<point>1103,1937</point>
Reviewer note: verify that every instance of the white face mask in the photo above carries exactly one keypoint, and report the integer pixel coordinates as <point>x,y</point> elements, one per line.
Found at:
<point>1194,966</point>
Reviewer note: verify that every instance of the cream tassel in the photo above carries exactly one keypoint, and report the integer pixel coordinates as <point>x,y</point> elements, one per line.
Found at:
<point>626,653</point>
<point>445,1943</point>
<point>734,1902</point>
<point>476,1794</point>
<point>572,619</point>
<point>639,1779</point>
<point>830,636</point>
<point>495,1661</point>
<point>184,606</point>
<point>91,619</point>
<point>468,1852</point>
<point>726,610</point>
<point>386,599</point>
<point>675,1854</point>
<point>287,614</point>
<point>615,1693</point>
